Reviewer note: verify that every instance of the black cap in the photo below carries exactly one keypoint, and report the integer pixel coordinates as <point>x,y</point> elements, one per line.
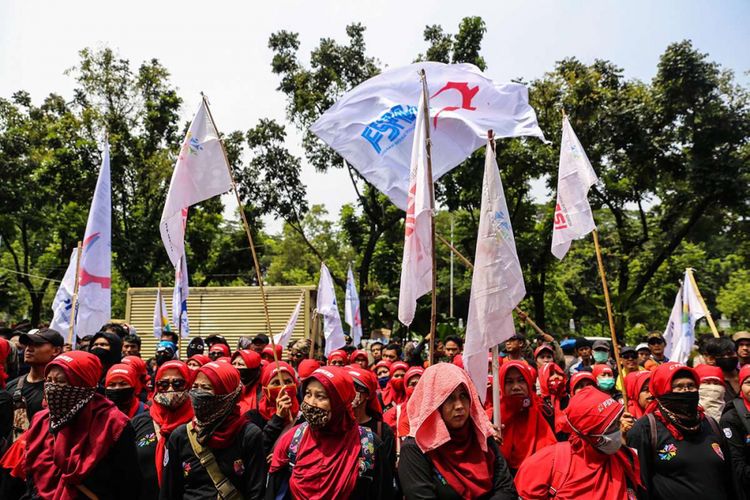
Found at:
<point>583,342</point>
<point>261,338</point>
<point>42,336</point>
<point>601,345</point>
<point>627,350</point>
<point>216,339</point>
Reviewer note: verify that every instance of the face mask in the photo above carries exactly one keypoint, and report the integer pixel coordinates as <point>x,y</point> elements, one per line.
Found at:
<point>64,401</point>
<point>556,386</point>
<point>610,443</point>
<point>106,356</point>
<point>249,376</point>
<point>171,399</point>
<point>162,358</point>
<point>122,398</point>
<point>410,390</point>
<point>605,384</point>
<point>727,364</point>
<point>682,405</point>
<point>383,381</point>
<point>398,384</point>
<point>711,398</point>
<point>315,417</point>
<point>601,356</point>
<point>209,408</point>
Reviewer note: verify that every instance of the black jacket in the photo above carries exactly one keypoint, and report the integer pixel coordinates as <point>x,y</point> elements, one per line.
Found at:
<point>736,428</point>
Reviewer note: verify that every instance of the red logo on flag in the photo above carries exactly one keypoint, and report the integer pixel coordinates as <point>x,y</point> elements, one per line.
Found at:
<point>410,220</point>
<point>467,94</point>
<point>561,222</point>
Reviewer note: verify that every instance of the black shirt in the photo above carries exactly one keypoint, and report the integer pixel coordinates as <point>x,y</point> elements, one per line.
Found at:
<point>243,463</point>
<point>32,392</point>
<point>388,451</point>
<point>145,447</point>
<point>272,428</point>
<point>419,481</point>
<point>736,428</point>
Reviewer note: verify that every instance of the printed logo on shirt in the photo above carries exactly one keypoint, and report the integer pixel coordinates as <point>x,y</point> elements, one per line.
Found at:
<point>717,449</point>
<point>728,432</point>
<point>239,467</point>
<point>146,440</point>
<point>186,468</point>
<point>668,452</point>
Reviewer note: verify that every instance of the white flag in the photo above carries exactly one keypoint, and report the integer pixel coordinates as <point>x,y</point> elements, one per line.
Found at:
<point>351,308</point>
<point>95,273</point>
<point>497,282</point>
<point>179,298</point>
<point>680,332</point>
<point>371,125</point>
<point>200,173</point>
<point>161,321</point>
<point>329,309</point>
<point>284,337</point>
<point>62,305</point>
<point>573,217</point>
<point>416,266</point>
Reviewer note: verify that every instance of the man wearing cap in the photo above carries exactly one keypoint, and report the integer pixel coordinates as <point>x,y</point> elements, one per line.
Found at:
<point>259,343</point>
<point>629,358</point>
<point>583,351</point>
<point>742,342</point>
<point>644,353</point>
<point>41,347</point>
<point>656,344</point>
<point>514,348</point>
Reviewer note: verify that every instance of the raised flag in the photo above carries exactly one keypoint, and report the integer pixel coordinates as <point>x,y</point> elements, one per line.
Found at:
<point>62,304</point>
<point>351,308</point>
<point>179,298</point>
<point>416,265</point>
<point>95,270</point>
<point>573,218</point>
<point>200,173</point>
<point>371,125</point>
<point>497,281</point>
<point>680,331</point>
<point>329,310</point>
<point>284,337</point>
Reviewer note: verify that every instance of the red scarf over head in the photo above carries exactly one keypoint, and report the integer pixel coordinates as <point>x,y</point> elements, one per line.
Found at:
<point>127,373</point>
<point>220,348</point>
<point>306,367</point>
<point>4,351</point>
<point>140,369</point>
<point>661,384</point>
<point>358,354</point>
<point>525,430</point>
<point>267,406</point>
<point>744,373</point>
<point>338,354</point>
<point>554,395</point>
<point>395,392</point>
<point>56,464</point>
<point>327,458</point>
<point>462,456</point>
<point>267,353</point>
<point>168,419</point>
<point>249,399</point>
<point>369,380</point>
<point>633,384</point>
<point>225,378</point>
<point>578,378</point>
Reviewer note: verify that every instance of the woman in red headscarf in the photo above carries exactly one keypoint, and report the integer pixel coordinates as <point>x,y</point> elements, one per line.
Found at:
<point>554,397</point>
<point>382,370</point>
<point>735,423</point>
<point>120,386</point>
<point>450,452</point>
<point>682,453</point>
<point>525,431</point>
<point>219,350</point>
<point>81,445</point>
<point>636,388</point>
<point>591,464</point>
<point>580,380</point>
<point>328,456</point>
<point>338,358</point>
<point>397,417</point>
<point>218,432</point>
<point>605,380</point>
<point>247,363</point>
<point>170,408</point>
<point>267,353</point>
<point>395,391</point>
<point>278,407</point>
<point>360,358</point>
<point>195,361</point>
<point>143,391</point>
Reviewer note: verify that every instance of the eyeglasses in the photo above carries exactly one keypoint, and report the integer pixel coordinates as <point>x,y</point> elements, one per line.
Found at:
<point>686,387</point>
<point>298,355</point>
<point>177,384</point>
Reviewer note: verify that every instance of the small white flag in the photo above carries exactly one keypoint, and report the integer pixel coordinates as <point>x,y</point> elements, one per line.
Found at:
<point>497,281</point>
<point>329,309</point>
<point>573,217</point>
<point>62,305</point>
<point>201,172</point>
<point>680,332</point>
<point>416,265</point>
<point>161,321</point>
<point>284,337</point>
<point>351,308</point>
<point>179,298</point>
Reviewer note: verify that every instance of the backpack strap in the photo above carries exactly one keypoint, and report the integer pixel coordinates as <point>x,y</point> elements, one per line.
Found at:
<point>560,467</point>
<point>652,432</point>
<point>226,489</point>
<point>294,444</point>
<point>742,413</point>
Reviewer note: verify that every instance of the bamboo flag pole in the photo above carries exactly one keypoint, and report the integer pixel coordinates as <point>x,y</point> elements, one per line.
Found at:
<point>74,302</point>
<point>315,328</point>
<point>703,303</point>
<point>428,150</point>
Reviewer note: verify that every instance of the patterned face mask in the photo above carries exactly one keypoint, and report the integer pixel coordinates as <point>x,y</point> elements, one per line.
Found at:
<point>171,399</point>
<point>64,401</point>
<point>210,408</point>
<point>316,417</point>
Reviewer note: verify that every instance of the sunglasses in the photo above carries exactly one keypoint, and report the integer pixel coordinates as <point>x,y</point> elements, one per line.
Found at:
<point>655,341</point>
<point>177,384</point>
<point>628,356</point>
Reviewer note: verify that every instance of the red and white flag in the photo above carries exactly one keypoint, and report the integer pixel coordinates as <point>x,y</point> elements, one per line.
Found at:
<point>573,217</point>
<point>497,282</point>
<point>201,172</point>
<point>416,266</point>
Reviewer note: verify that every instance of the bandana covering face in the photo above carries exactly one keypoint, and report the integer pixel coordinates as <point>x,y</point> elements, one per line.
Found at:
<point>668,405</point>
<point>209,408</point>
<point>316,417</point>
<point>64,402</point>
<point>217,416</point>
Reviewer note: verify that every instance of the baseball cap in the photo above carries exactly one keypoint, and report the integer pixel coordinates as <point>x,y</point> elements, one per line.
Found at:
<point>600,345</point>
<point>743,335</point>
<point>642,346</point>
<point>42,336</point>
<point>654,336</point>
<point>543,347</point>
<point>583,342</point>
<point>518,336</point>
<point>627,350</point>
<point>261,338</point>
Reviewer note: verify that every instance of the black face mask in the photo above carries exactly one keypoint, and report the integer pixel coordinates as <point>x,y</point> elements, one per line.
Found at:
<point>122,398</point>
<point>107,357</point>
<point>249,376</point>
<point>681,405</point>
<point>727,364</point>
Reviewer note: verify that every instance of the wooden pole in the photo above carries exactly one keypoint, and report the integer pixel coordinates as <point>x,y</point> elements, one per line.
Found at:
<point>428,150</point>
<point>703,302</point>
<point>496,388</point>
<point>315,328</point>
<point>74,302</point>
<point>610,316</point>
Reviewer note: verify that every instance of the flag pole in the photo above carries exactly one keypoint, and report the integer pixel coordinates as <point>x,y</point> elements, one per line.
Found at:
<point>250,241</point>
<point>703,302</point>
<point>315,328</point>
<point>74,302</point>
<point>610,317</point>
<point>428,150</point>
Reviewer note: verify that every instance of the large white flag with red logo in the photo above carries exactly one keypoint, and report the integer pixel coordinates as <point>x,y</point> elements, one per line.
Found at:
<point>351,308</point>
<point>329,309</point>
<point>416,266</point>
<point>497,282</point>
<point>95,272</point>
<point>371,126</point>
<point>200,173</point>
<point>680,332</point>
<point>573,217</point>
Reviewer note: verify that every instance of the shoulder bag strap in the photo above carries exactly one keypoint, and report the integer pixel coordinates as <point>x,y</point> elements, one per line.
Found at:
<point>560,468</point>
<point>226,489</point>
<point>87,492</point>
<point>742,413</point>
<point>652,432</point>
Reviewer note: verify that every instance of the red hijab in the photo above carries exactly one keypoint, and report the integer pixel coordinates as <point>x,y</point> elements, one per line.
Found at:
<point>121,371</point>
<point>4,351</point>
<point>328,457</point>
<point>222,348</point>
<point>578,377</point>
<point>249,399</point>
<point>744,373</point>
<point>525,431</point>
<point>338,354</point>
<point>369,380</point>
<point>554,391</point>
<point>267,353</point>
<point>58,463</point>
<point>225,378</point>
<point>358,354</point>
<point>708,372</point>
<point>267,406</point>
<point>395,392</point>
<point>168,419</point>
<point>661,384</point>
<point>461,456</point>
<point>633,384</point>
<point>140,369</point>
<point>306,367</point>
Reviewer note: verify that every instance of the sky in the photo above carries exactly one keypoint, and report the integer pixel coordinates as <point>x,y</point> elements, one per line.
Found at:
<point>221,47</point>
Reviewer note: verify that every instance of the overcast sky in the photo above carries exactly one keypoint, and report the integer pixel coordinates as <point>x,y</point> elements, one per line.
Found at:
<point>221,48</point>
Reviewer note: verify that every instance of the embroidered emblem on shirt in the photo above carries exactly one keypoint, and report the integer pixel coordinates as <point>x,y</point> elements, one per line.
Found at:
<point>146,440</point>
<point>728,432</point>
<point>717,449</point>
<point>668,452</point>
<point>186,468</point>
<point>239,467</point>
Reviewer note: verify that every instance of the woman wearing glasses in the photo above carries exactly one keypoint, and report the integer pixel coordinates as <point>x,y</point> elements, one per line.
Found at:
<point>170,409</point>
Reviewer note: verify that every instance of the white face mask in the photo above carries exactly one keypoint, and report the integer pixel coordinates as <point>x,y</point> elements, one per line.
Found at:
<point>610,443</point>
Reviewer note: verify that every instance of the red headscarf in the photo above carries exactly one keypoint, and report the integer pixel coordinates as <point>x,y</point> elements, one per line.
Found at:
<point>306,367</point>
<point>268,352</point>
<point>369,380</point>
<point>458,360</point>
<point>461,456</point>
<point>121,371</point>
<point>225,378</point>
<point>222,348</point>
<point>591,474</point>
<point>525,431</point>
<point>327,458</point>
<point>578,377</point>
<point>249,399</point>
<point>633,384</point>
<point>358,354</point>
<point>708,372</point>
<point>4,351</point>
<point>382,363</point>
<point>661,384</point>
<point>140,369</point>
<point>395,392</point>
<point>58,463</point>
<point>168,419</point>
<point>202,359</point>
<point>552,391</point>
<point>744,373</point>
<point>338,354</point>
<point>267,406</point>
<point>601,369</point>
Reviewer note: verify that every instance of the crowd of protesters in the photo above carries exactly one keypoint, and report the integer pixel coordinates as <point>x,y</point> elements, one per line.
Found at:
<point>261,421</point>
